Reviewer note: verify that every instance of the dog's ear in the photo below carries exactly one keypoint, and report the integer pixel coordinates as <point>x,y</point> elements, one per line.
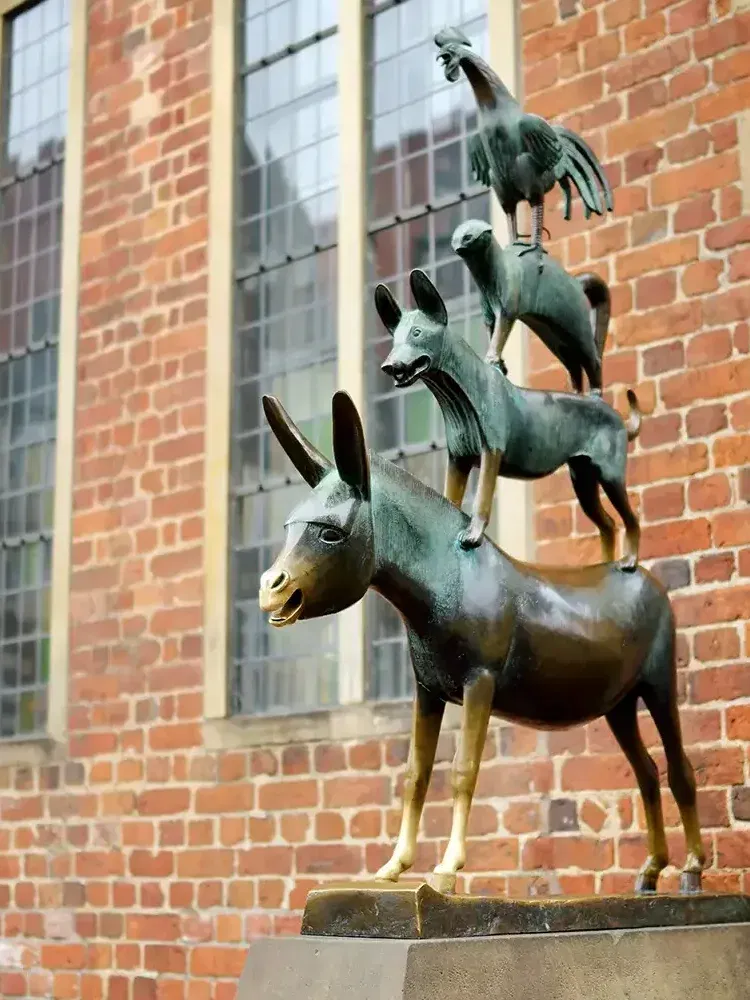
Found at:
<point>428,298</point>
<point>388,309</point>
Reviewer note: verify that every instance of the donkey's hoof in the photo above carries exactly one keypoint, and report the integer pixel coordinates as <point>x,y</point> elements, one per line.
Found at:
<point>646,883</point>
<point>690,883</point>
<point>444,882</point>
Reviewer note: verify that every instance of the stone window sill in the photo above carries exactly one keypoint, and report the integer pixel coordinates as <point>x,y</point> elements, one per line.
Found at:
<point>367,720</point>
<point>29,751</point>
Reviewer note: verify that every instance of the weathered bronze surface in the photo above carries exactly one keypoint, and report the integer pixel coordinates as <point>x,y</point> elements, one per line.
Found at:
<point>520,156</point>
<point>547,647</point>
<point>416,910</point>
<point>507,430</point>
<point>707,962</point>
<point>554,305</point>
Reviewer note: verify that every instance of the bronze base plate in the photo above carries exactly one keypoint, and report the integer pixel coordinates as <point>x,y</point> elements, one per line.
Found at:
<point>412,910</point>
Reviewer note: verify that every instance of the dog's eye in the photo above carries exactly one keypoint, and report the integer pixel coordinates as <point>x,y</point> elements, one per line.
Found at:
<point>416,332</point>
<point>331,535</point>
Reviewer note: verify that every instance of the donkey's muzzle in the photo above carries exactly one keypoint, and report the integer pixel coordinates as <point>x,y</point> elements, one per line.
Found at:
<point>280,597</point>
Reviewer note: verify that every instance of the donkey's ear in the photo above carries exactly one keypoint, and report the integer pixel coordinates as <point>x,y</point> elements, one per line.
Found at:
<point>388,309</point>
<point>307,460</point>
<point>349,447</point>
<point>428,298</point>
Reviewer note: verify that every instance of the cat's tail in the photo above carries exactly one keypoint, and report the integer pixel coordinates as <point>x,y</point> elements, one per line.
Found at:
<point>633,422</point>
<point>596,291</point>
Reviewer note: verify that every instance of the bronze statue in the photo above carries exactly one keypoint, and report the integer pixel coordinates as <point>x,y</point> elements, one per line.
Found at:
<point>547,647</point>
<point>520,156</point>
<point>507,430</point>
<point>556,306</point>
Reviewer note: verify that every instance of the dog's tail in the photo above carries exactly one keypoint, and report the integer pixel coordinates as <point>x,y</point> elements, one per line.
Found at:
<point>596,291</point>
<point>633,423</point>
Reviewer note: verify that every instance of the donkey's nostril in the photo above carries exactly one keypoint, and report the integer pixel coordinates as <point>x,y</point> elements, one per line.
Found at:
<point>280,580</point>
<point>391,368</point>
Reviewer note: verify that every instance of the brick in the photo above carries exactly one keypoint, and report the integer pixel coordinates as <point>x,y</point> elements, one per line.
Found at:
<point>708,493</point>
<point>727,682</point>
<point>288,795</point>
<point>223,799</point>
<point>555,853</point>
<point>695,213</point>
<point>355,791</point>
<point>317,859</point>
<point>655,258</point>
<point>671,186</point>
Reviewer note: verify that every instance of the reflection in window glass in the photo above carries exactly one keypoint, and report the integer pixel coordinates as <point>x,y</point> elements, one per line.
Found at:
<point>285,329</point>
<point>418,128</point>
<point>35,84</point>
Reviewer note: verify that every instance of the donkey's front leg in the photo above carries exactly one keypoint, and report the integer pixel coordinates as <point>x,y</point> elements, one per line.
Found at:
<point>477,706</point>
<point>426,720</point>
<point>489,467</point>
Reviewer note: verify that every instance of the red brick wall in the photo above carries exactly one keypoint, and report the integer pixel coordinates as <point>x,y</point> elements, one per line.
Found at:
<point>140,865</point>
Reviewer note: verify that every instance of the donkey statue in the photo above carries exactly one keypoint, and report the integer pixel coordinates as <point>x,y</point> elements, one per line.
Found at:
<point>547,647</point>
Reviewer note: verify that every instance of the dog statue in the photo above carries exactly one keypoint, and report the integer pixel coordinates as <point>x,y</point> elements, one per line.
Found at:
<point>507,430</point>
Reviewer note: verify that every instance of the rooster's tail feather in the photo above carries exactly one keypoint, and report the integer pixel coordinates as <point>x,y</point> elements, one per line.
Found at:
<point>580,165</point>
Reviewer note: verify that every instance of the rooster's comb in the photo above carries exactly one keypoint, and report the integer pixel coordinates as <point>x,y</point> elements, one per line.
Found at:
<point>451,35</point>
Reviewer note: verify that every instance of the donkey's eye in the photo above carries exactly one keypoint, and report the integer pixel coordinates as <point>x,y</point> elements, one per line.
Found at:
<point>416,332</point>
<point>331,535</point>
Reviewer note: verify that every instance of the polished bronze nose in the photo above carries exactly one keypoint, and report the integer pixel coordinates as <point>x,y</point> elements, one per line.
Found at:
<point>392,368</point>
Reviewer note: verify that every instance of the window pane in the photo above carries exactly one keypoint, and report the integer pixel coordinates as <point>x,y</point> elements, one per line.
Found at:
<point>35,60</point>
<point>418,131</point>
<point>285,333</point>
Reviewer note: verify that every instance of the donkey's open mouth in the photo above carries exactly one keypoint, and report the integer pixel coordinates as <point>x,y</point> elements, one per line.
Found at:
<point>290,612</point>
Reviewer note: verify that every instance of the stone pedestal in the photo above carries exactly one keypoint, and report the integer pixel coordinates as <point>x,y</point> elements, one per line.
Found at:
<point>412,943</point>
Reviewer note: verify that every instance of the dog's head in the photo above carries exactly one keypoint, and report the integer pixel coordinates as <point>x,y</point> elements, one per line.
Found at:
<point>418,334</point>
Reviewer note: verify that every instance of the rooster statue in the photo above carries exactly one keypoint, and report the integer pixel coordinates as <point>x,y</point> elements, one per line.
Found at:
<point>521,156</point>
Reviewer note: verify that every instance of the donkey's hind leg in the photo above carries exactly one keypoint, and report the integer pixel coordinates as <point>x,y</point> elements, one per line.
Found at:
<point>623,722</point>
<point>660,696</point>
<point>586,488</point>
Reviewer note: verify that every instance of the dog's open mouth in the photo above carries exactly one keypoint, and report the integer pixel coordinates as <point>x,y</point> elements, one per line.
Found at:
<point>408,376</point>
<point>290,612</point>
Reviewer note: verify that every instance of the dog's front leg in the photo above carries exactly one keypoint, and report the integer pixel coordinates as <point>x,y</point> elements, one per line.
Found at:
<point>456,478</point>
<point>489,466</point>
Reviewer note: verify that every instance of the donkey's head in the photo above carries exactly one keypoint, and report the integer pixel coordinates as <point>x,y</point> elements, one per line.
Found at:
<point>328,557</point>
<point>417,334</point>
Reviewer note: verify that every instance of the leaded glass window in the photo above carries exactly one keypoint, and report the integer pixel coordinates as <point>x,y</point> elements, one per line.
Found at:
<point>36,41</point>
<point>285,327</point>
<point>420,189</point>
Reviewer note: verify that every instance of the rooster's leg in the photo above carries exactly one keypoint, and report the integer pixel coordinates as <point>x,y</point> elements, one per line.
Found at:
<point>537,228</point>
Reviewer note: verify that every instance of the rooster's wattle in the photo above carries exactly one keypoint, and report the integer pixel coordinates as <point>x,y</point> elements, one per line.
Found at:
<point>519,155</point>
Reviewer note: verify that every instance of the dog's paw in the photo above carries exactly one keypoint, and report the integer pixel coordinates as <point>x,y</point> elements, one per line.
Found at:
<point>472,535</point>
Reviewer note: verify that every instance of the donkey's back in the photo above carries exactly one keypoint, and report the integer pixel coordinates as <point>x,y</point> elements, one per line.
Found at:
<point>564,645</point>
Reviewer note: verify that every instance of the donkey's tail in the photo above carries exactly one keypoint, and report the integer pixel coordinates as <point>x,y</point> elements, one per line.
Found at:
<point>597,292</point>
<point>633,423</point>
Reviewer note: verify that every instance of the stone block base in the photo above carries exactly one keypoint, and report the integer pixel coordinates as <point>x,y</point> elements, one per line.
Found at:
<point>709,962</point>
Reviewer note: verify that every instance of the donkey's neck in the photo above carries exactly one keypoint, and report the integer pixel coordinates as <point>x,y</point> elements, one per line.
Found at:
<point>415,531</point>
